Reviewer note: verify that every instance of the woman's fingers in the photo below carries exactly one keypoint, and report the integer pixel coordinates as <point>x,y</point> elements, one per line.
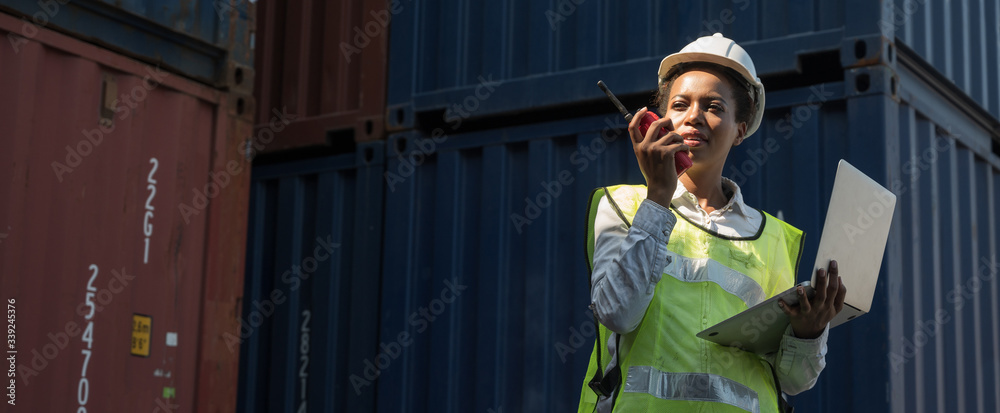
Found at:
<point>804,304</point>
<point>653,134</point>
<point>838,304</point>
<point>633,126</point>
<point>834,284</point>
<point>821,281</point>
<point>789,311</point>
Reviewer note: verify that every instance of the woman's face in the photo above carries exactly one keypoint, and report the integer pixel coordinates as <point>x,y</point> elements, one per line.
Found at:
<point>703,111</point>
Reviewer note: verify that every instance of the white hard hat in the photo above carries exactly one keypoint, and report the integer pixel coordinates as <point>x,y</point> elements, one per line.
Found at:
<point>724,52</point>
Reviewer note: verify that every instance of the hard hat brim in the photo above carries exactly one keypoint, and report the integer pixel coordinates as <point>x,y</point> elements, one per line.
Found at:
<point>673,60</point>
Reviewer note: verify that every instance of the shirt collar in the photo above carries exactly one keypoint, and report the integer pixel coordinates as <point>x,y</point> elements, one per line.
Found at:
<point>735,204</point>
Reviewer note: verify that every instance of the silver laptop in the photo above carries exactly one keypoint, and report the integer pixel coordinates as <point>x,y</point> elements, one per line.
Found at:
<point>855,234</point>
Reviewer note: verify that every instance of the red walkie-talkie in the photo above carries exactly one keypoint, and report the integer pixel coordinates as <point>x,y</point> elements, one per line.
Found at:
<point>681,159</point>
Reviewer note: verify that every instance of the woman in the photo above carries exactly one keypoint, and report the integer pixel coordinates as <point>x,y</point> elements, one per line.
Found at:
<point>683,253</point>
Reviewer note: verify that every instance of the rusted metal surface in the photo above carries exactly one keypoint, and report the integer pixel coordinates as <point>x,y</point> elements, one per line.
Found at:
<point>326,63</point>
<point>201,39</point>
<point>123,191</point>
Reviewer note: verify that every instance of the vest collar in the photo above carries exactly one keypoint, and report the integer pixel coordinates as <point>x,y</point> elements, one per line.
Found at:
<point>686,200</point>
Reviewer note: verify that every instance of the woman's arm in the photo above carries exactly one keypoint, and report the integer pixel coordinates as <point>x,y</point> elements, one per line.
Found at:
<point>799,361</point>
<point>628,262</point>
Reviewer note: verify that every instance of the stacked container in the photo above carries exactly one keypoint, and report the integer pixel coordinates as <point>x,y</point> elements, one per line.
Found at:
<point>125,197</point>
<point>311,302</point>
<point>500,134</point>
<point>323,64</point>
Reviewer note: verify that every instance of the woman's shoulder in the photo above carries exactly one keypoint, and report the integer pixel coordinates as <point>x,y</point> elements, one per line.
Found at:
<point>623,200</point>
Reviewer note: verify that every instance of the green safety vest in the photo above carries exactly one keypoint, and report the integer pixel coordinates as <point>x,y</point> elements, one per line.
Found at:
<point>663,366</point>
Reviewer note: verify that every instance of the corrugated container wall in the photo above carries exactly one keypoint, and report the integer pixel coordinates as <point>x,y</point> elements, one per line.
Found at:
<point>961,39</point>
<point>501,214</point>
<point>483,285</point>
<point>121,227</point>
<point>443,50</point>
<point>312,291</point>
<point>944,254</point>
<point>207,40</point>
<point>543,51</point>
<point>324,64</point>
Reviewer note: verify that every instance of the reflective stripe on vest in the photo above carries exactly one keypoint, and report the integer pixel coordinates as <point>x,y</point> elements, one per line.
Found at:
<point>703,387</point>
<point>706,279</point>
<point>704,269</point>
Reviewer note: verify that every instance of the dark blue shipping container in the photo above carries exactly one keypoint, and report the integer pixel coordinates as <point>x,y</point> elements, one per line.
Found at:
<point>943,322</point>
<point>518,337</point>
<point>441,51</point>
<point>481,310</point>
<point>207,40</point>
<point>311,300</point>
<point>460,283</point>
<point>961,39</point>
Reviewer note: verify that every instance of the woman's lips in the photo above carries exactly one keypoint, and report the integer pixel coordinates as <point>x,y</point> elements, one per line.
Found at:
<point>693,139</point>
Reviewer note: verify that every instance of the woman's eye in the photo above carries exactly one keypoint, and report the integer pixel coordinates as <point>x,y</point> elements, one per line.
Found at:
<point>715,107</point>
<point>678,106</point>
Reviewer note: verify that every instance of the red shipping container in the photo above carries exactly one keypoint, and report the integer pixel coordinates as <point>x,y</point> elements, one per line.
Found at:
<point>122,230</point>
<point>325,63</point>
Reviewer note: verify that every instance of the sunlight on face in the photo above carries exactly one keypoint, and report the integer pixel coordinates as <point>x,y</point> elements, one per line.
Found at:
<point>703,111</point>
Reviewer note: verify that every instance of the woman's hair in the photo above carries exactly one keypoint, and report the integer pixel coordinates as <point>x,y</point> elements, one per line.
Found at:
<point>742,92</point>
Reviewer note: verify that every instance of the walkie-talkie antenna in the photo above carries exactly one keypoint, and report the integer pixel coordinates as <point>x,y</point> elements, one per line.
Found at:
<point>618,103</point>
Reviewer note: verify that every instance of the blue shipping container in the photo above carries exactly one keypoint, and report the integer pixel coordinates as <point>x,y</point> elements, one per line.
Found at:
<point>441,51</point>
<point>311,300</point>
<point>207,40</point>
<point>477,267</point>
<point>961,39</point>
<point>483,310</point>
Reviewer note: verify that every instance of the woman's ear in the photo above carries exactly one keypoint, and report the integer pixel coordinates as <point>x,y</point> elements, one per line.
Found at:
<point>741,133</point>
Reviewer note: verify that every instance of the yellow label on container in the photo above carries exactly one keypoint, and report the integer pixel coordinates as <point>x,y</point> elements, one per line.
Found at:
<point>142,326</point>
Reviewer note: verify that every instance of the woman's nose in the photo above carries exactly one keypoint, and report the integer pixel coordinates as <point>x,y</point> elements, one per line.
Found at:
<point>694,115</point>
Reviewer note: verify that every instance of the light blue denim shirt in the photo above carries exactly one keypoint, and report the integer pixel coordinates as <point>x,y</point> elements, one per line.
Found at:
<point>628,263</point>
